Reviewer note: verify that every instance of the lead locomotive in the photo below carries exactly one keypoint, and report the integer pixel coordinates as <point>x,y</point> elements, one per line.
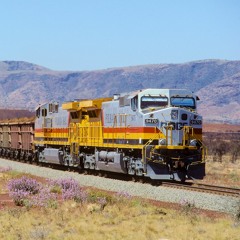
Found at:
<point>153,133</point>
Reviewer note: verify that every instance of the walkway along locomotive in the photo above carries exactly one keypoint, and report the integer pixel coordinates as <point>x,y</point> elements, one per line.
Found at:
<point>154,133</point>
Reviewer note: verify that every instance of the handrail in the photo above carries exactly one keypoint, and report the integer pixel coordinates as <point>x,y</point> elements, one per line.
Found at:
<point>202,146</point>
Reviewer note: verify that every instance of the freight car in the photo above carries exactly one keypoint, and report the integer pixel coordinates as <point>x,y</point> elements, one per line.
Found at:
<point>152,133</point>
<point>17,139</point>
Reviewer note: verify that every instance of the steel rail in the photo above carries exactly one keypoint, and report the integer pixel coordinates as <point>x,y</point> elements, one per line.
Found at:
<point>220,190</point>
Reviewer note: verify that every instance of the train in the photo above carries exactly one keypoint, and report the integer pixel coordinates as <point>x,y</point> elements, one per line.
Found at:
<point>150,134</point>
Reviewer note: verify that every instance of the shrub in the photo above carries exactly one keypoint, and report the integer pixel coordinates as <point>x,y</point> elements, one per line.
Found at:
<point>69,188</point>
<point>123,195</point>
<point>187,207</point>
<point>45,198</point>
<point>65,183</point>
<point>20,190</point>
<point>77,195</point>
<point>19,197</point>
<point>29,185</point>
<point>28,192</point>
<point>95,196</point>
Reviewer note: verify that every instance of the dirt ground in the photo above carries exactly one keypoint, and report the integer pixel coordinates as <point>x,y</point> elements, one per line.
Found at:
<point>213,127</point>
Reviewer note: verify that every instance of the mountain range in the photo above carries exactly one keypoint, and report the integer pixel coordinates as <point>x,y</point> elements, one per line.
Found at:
<point>25,85</point>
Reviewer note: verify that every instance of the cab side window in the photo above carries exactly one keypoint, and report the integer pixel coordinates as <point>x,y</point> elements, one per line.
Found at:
<point>134,103</point>
<point>44,112</point>
<point>38,113</point>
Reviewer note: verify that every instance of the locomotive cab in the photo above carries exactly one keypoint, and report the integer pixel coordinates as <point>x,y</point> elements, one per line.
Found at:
<point>177,147</point>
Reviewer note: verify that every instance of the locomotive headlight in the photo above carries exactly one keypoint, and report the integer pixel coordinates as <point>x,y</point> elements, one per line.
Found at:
<point>174,114</point>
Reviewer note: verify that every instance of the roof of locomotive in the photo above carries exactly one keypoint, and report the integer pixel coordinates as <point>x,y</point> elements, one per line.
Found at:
<point>129,95</point>
<point>161,91</point>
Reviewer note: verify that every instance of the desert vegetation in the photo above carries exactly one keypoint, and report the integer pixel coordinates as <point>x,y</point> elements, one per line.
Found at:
<point>223,158</point>
<point>63,209</point>
<point>223,144</point>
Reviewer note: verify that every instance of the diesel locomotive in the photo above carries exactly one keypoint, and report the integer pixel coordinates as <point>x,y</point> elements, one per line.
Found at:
<point>150,133</point>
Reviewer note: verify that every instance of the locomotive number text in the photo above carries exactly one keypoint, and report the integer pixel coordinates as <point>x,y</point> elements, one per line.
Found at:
<point>151,120</point>
<point>196,122</point>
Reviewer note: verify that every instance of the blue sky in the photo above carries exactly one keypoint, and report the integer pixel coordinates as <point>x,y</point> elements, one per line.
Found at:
<point>99,34</point>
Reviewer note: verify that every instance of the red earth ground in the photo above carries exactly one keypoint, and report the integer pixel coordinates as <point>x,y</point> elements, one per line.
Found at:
<point>215,127</point>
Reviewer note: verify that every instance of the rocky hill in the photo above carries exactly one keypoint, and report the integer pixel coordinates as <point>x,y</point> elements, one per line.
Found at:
<point>217,82</point>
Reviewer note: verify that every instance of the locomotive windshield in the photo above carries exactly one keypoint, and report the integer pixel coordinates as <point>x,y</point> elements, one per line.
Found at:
<point>187,102</point>
<point>153,101</point>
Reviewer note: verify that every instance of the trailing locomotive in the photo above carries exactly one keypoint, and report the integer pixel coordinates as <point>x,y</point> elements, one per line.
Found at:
<point>153,133</point>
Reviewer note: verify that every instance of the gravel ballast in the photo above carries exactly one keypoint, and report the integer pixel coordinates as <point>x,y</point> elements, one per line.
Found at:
<point>201,200</point>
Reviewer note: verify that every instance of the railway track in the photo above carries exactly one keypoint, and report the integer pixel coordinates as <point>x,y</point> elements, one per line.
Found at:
<point>191,186</point>
<point>199,187</point>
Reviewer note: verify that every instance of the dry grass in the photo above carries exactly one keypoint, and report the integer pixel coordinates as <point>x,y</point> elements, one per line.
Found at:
<point>225,173</point>
<point>131,220</point>
<point>121,218</point>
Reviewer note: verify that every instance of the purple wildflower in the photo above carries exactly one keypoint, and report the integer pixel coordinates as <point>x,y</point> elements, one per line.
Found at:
<point>44,198</point>
<point>19,196</point>
<point>71,189</point>
<point>122,195</point>
<point>24,183</point>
